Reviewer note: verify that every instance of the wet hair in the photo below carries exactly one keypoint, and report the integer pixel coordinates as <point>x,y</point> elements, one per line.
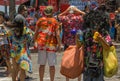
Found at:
<point>20,8</point>
<point>21,32</point>
<point>2,14</point>
<point>96,20</point>
<point>19,25</point>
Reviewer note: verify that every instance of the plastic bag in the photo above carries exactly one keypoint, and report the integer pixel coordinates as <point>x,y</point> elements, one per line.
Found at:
<point>110,62</point>
<point>72,62</point>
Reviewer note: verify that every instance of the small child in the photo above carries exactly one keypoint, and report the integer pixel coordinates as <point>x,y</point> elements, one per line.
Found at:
<point>19,51</point>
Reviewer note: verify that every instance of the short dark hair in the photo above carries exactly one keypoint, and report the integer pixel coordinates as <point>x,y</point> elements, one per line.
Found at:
<point>86,6</point>
<point>20,8</point>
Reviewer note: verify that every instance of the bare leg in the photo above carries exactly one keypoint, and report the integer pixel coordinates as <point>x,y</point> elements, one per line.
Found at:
<point>15,70</point>
<point>7,59</point>
<point>67,79</point>
<point>52,73</point>
<point>41,72</point>
<point>22,75</point>
<point>8,67</point>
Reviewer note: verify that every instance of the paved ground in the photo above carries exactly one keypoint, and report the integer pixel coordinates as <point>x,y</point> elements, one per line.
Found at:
<point>58,77</point>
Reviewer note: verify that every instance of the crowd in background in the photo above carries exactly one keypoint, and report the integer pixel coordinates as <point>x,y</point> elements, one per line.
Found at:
<point>30,26</point>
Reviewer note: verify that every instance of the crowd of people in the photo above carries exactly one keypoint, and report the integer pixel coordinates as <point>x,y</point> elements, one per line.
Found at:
<point>51,33</point>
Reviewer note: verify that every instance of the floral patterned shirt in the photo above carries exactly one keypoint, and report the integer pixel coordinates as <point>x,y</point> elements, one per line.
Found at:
<point>93,50</point>
<point>70,22</point>
<point>46,38</point>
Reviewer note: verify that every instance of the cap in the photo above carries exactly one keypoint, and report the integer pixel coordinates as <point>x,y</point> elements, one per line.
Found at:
<point>48,10</point>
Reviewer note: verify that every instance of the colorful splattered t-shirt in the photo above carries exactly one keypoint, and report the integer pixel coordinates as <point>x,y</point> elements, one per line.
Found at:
<point>19,50</point>
<point>70,22</point>
<point>46,38</point>
<point>93,51</point>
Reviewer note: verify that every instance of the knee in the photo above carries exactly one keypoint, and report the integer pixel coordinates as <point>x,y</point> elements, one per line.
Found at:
<point>42,66</point>
<point>52,67</point>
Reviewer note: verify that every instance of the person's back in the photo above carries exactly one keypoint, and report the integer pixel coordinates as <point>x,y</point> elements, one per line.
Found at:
<point>47,38</point>
<point>47,28</point>
<point>72,21</point>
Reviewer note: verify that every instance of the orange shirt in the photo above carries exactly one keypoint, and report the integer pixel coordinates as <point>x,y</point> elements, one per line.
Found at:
<point>47,33</point>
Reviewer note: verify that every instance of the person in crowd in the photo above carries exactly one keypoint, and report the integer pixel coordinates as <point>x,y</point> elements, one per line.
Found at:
<point>95,39</point>
<point>72,21</point>
<point>21,60</point>
<point>4,44</point>
<point>38,13</point>
<point>32,11</point>
<point>87,9</point>
<point>48,40</point>
<point>22,13</point>
<point>31,2</point>
<point>112,30</point>
<point>117,24</point>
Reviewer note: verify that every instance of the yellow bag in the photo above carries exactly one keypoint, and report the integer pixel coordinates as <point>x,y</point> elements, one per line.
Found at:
<point>110,62</point>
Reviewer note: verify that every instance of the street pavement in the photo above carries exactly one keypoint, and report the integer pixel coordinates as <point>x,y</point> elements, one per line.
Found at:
<point>58,77</point>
